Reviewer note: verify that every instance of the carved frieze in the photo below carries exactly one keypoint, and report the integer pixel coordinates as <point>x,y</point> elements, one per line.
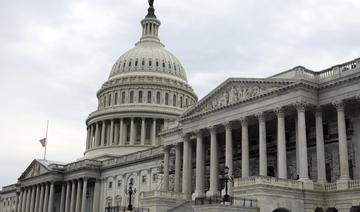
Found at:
<point>231,95</point>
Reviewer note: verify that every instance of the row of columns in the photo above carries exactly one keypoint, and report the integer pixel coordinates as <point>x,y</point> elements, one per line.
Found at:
<point>37,198</point>
<point>301,149</point>
<point>73,196</point>
<point>115,133</point>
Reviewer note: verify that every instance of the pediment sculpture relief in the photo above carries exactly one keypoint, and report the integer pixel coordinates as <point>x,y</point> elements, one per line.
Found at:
<point>232,95</point>
<point>35,170</point>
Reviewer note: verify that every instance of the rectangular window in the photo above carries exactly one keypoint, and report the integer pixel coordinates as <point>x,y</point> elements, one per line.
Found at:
<point>174,100</point>
<point>109,103</point>
<point>166,99</point>
<point>149,97</point>
<point>158,98</point>
<point>144,179</point>
<point>181,102</point>
<point>110,184</point>
<point>123,97</point>
<point>154,177</point>
<point>140,96</point>
<point>131,96</point>
<point>116,98</point>
<point>119,184</point>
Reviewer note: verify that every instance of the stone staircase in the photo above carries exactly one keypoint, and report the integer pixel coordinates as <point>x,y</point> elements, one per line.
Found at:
<point>184,207</point>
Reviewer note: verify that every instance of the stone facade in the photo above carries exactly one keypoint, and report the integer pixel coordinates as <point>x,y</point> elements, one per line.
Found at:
<point>291,142</point>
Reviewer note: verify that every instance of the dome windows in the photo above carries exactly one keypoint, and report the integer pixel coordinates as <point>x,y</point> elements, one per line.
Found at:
<point>158,98</point>
<point>166,99</point>
<point>174,100</point>
<point>140,98</point>
<point>131,96</point>
<point>149,97</point>
<point>123,97</point>
<point>136,63</point>
<point>150,63</point>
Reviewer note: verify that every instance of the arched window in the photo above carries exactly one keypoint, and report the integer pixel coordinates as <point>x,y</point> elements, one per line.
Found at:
<point>104,101</point>
<point>143,62</point>
<point>174,100</point>
<point>166,99</point>
<point>140,99</point>
<point>158,98</point>
<point>109,103</point>
<point>150,63</point>
<point>116,98</point>
<point>149,97</point>
<point>181,101</point>
<point>123,97</point>
<point>186,102</point>
<point>131,96</point>
<point>136,62</point>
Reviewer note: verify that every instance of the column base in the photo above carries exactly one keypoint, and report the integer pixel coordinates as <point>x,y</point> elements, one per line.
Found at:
<point>342,183</point>
<point>212,193</point>
<point>308,184</point>
<point>197,195</point>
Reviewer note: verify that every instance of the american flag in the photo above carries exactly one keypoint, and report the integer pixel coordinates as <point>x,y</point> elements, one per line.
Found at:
<point>43,142</point>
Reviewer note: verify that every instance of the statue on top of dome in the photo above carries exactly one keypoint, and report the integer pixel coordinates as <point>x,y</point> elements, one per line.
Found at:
<point>151,3</point>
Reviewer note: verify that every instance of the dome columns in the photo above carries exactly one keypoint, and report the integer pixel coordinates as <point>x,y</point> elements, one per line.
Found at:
<point>132,131</point>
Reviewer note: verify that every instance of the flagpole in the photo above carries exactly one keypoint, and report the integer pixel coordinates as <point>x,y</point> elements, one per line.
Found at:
<point>46,140</point>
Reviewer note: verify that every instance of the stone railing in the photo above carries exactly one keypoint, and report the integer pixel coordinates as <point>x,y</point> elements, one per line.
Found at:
<point>264,180</point>
<point>325,186</point>
<point>354,184</point>
<point>164,194</point>
<point>133,157</point>
<point>334,72</point>
<point>88,164</point>
<point>8,188</point>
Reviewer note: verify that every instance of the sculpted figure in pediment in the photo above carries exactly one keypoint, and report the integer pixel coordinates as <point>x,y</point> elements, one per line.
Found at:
<point>233,98</point>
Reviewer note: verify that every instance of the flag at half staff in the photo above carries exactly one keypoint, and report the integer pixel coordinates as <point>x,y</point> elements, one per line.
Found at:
<point>43,142</point>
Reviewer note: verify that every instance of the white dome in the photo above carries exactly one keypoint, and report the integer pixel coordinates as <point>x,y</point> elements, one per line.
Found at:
<point>148,58</point>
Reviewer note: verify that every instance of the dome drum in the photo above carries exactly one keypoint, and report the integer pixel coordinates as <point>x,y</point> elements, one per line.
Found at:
<point>147,87</point>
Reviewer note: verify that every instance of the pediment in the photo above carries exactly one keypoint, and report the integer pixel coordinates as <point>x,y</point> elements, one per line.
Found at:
<point>234,91</point>
<point>36,168</point>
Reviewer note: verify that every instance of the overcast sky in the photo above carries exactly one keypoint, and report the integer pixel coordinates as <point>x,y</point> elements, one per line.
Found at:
<point>54,56</point>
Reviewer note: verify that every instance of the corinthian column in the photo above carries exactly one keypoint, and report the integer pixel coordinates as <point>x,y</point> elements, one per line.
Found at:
<point>262,145</point>
<point>88,138</point>
<point>143,132</point>
<point>103,133</point>
<point>68,197</point>
<point>46,198</point>
<point>97,135</point>
<point>214,164</point>
<point>73,198</point>
<point>178,158</point>
<point>303,161</point>
<point>78,196</point>
<point>244,148</point>
<point>111,142</point>
<point>166,168</point>
<point>41,202</point>
<point>96,196</point>
<point>229,152</point>
<point>37,196</point>
<point>200,165</point>
<point>32,199</point>
<point>51,197</point>
<point>132,132</point>
<point>122,134</point>
<point>343,149</point>
<point>83,201</point>
<point>320,149</point>
<point>153,132</point>
<point>186,183</point>
<point>281,144</point>
<point>62,197</point>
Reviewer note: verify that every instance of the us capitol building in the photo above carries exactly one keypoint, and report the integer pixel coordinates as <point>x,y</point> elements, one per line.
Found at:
<point>286,143</point>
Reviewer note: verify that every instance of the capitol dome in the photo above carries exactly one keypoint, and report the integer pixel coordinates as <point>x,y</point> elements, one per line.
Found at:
<point>146,89</point>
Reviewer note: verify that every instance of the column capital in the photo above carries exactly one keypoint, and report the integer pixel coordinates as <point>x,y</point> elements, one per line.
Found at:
<point>244,121</point>
<point>185,136</point>
<point>227,125</point>
<point>339,105</point>
<point>260,116</point>
<point>143,118</point>
<point>197,132</point>
<point>301,106</point>
<point>212,128</point>
<point>279,110</point>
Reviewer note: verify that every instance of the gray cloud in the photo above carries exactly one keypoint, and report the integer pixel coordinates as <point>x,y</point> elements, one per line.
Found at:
<point>55,55</point>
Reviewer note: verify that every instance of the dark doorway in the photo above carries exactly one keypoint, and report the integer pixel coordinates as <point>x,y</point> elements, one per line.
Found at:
<point>319,210</point>
<point>355,209</point>
<point>331,210</point>
<point>281,210</point>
